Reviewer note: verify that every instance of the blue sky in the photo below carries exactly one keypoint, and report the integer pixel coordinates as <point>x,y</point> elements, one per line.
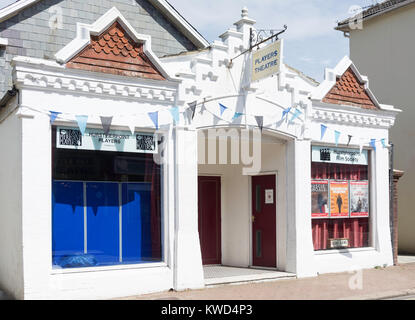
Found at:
<point>311,43</point>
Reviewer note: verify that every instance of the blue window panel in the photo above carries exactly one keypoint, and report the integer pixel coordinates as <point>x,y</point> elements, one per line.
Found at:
<point>103,222</point>
<point>67,220</point>
<point>136,222</point>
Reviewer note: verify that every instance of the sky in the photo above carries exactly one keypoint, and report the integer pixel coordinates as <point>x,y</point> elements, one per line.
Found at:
<point>310,43</point>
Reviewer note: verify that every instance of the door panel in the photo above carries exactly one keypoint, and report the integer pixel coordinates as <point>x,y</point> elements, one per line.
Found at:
<point>264,244</point>
<point>210,219</point>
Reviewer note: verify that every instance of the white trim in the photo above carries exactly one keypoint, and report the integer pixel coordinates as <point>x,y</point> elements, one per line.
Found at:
<point>56,271</point>
<point>339,251</point>
<point>166,9</point>
<point>4,42</point>
<point>84,32</point>
<point>330,79</point>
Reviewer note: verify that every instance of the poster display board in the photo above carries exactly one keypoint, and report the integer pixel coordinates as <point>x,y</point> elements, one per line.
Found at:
<point>339,199</point>
<point>359,199</point>
<point>320,199</point>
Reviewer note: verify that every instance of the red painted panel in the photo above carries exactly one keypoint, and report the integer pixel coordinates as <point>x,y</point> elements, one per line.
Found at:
<point>264,242</point>
<point>210,219</point>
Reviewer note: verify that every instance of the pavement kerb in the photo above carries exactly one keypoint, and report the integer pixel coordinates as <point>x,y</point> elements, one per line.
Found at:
<point>383,295</point>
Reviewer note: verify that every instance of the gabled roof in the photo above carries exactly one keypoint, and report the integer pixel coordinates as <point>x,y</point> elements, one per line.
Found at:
<point>111,45</point>
<point>344,85</point>
<point>165,8</point>
<point>374,11</point>
<point>115,52</point>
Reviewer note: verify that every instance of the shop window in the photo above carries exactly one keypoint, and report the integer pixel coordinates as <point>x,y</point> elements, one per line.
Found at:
<point>340,198</point>
<point>106,207</point>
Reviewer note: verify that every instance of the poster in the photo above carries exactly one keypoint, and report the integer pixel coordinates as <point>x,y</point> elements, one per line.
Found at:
<point>359,199</point>
<point>339,199</point>
<point>320,199</point>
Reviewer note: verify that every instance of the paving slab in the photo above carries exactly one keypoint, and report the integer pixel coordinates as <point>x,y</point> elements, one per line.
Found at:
<point>369,284</point>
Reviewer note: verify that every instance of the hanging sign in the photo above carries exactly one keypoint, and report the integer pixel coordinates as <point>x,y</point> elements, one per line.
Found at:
<point>339,199</point>
<point>115,141</point>
<point>266,61</point>
<point>319,198</point>
<point>359,199</point>
<point>339,155</point>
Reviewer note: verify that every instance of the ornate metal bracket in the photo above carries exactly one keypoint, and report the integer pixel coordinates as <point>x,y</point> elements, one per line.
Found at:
<point>261,36</point>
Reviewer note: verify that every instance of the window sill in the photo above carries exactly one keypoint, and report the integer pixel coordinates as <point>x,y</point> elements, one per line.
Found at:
<point>340,251</point>
<point>110,268</point>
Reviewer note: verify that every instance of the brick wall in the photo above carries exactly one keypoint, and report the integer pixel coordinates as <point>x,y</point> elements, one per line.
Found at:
<point>30,34</point>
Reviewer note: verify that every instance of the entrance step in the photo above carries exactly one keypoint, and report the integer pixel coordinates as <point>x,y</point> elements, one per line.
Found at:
<point>217,275</point>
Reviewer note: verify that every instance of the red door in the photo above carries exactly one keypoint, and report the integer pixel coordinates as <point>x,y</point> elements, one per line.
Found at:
<point>210,219</point>
<point>264,242</point>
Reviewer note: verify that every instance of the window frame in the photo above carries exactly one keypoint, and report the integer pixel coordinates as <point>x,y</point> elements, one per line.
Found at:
<point>165,261</point>
<point>371,164</point>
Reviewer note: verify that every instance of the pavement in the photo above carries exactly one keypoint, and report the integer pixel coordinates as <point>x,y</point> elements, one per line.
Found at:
<point>392,283</point>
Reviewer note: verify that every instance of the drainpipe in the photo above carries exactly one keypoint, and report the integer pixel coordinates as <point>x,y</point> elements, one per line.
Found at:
<point>391,199</point>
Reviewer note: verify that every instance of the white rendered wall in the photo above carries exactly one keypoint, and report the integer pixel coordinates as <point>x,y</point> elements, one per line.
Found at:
<point>383,50</point>
<point>40,280</point>
<point>11,257</point>
<point>380,251</point>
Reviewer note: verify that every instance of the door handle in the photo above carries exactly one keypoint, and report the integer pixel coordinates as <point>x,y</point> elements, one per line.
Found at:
<point>253,218</point>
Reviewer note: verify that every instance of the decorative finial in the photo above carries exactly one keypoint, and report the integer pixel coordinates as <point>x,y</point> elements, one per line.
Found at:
<point>244,12</point>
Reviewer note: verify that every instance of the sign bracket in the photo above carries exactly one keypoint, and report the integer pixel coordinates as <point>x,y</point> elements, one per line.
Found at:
<point>256,39</point>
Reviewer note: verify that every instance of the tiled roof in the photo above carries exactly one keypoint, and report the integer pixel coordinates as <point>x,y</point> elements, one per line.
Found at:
<point>116,53</point>
<point>377,9</point>
<point>348,90</point>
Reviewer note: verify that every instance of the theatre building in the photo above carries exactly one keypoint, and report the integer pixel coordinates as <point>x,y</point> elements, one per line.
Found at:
<point>129,167</point>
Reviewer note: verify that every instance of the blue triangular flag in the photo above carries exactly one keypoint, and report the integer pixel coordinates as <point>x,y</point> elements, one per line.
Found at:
<point>175,114</point>
<point>154,116</point>
<point>53,115</point>
<point>383,143</point>
<point>373,143</point>
<point>285,113</point>
<point>323,131</point>
<point>336,137</point>
<point>237,115</point>
<point>222,108</point>
<point>82,121</point>
<point>296,114</point>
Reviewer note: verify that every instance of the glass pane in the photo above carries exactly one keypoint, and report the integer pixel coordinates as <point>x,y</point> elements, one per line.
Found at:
<point>67,221</point>
<point>139,224</point>
<point>258,198</point>
<point>258,244</point>
<point>103,222</point>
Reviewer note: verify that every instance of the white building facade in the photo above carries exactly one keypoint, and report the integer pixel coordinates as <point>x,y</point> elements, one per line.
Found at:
<point>127,177</point>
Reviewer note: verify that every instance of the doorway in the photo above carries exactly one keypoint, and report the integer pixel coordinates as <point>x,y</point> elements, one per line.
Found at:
<point>209,207</point>
<point>264,244</point>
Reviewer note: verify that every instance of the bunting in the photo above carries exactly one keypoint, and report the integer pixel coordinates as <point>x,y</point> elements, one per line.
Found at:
<point>285,113</point>
<point>106,124</point>
<point>323,131</point>
<point>237,115</point>
<point>82,121</point>
<point>154,116</point>
<point>260,121</point>
<point>336,137</point>
<point>175,114</point>
<point>296,114</point>
<point>222,108</point>
<point>53,115</point>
